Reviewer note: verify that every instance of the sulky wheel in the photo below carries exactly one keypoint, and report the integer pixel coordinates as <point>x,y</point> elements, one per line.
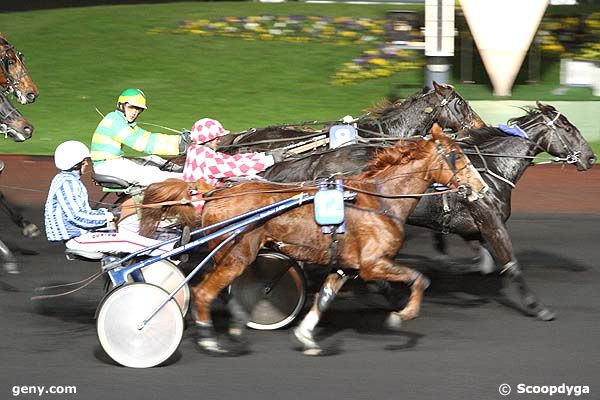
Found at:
<point>166,275</point>
<point>119,318</point>
<point>272,291</point>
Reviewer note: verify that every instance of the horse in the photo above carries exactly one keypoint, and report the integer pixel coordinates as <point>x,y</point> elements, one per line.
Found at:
<point>502,160</point>
<point>374,224</point>
<point>14,77</point>
<point>412,117</point>
<point>12,122</point>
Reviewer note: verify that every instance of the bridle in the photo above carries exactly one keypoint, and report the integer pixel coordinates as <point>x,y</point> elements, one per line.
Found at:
<point>12,83</point>
<point>572,156</point>
<point>450,160</point>
<point>449,101</point>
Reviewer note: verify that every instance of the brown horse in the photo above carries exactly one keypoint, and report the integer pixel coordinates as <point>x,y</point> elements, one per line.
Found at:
<point>14,77</point>
<point>387,192</point>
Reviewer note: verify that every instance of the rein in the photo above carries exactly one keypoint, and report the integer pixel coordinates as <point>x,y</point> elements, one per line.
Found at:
<point>84,282</point>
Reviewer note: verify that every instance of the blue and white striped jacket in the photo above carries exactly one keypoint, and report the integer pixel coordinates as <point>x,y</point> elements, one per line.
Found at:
<point>67,213</point>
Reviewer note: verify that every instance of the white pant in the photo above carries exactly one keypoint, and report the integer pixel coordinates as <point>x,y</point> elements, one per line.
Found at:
<point>142,175</point>
<point>115,242</point>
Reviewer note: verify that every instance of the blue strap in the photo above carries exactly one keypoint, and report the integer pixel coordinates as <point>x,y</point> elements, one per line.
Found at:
<point>513,131</point>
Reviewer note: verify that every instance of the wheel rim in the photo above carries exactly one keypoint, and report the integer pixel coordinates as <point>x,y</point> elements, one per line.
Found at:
<point>166,275</point>
<point>120,315</point>
<point>272,291</point>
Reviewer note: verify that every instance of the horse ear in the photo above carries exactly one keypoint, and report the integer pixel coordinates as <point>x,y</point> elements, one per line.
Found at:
<point>436,131</point>
<point>437,87</point>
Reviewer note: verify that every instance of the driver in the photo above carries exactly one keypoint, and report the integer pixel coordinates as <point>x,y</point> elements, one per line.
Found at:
<point>119,128</point>
<point>68,216</point>
<point>204,162</point>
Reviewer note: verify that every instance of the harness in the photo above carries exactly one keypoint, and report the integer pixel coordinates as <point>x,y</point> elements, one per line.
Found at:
<point>12,83</point>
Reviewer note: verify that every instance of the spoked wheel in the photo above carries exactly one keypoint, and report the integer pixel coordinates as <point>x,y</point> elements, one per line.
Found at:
<point>119,326</point>
<point>272,291</point>
<point>166,275</point>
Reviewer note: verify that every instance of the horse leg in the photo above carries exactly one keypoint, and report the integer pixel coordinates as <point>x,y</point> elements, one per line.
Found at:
<point>495,233</point>
<point>227,268</point>
<point>386,269</point>
<point>303,333</point>
<point>28,229</point>
<point>9,260</point>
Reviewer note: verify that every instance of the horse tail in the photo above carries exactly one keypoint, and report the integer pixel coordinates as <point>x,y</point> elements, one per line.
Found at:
<point>170,190</point>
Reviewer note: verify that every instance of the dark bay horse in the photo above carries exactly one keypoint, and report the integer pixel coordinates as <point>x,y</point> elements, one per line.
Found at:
<point>387,192</point>
<point>12,122</point>
<point>14,77</point>
<point>502,160</point>
<point>412,117</point>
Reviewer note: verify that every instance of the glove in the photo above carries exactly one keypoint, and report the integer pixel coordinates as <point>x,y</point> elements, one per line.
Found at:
<point>348,119</point>
<point>110,217</point>
<point>278,155</point>
<point>185,141</point>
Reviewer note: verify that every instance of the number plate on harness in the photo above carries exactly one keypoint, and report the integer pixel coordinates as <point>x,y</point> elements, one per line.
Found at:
<point>329,207</point>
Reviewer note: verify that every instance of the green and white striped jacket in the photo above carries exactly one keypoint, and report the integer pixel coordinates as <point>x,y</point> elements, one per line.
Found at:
<point>114,131</point>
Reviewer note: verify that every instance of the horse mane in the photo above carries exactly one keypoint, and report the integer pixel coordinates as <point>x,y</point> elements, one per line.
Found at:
<point>530,113</point>
<point>170,190</point>
<point>478,137</point>
<point>385,106</point>
<point>401,153</point>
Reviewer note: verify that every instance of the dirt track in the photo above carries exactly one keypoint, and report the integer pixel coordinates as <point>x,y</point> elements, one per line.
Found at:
<point>467,341</point>
<point>543,188</point>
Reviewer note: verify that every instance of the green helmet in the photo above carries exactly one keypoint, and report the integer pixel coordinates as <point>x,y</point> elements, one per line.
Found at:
<point>135,97</point>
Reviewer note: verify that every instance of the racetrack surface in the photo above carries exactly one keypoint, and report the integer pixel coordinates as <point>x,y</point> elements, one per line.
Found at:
<point>466,342</point>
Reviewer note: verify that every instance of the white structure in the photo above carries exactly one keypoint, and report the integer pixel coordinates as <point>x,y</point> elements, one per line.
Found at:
<point>580,73</point>
<point>503,31</point>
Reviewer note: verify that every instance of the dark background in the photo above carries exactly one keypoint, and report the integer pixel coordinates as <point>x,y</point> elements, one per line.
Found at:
<point>27,5</point>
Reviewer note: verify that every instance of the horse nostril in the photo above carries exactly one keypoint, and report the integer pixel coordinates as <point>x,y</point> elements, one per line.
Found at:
<point>30,97</point>
<point>28,130</point>
<point>592,160</point>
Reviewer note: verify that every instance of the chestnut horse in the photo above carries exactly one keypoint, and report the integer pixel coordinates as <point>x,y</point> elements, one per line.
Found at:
<point>14,77</point>
<point>387,192</point>
<point>503,160</point>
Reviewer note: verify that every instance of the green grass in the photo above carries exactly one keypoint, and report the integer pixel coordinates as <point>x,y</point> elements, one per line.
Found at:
<point>81,58</point>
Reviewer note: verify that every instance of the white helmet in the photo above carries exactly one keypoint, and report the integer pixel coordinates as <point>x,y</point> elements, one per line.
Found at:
<point>69,154</point>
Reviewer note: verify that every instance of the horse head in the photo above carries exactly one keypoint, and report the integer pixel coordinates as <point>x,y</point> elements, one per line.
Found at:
<point>418,112</point>
<point>451,110</point>
<point>553,133</point>
<point>449,166</point>
<point>14,77</point>
<point>12,121</point>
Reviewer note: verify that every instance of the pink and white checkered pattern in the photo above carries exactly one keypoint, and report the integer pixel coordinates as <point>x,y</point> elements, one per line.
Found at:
<point>203,163</point>
<point>207,129</point>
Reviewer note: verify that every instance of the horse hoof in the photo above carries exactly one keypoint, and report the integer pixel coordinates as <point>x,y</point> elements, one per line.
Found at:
<point>546,314</point>
<point>31,230</point>
<point>11,268</point>
<point>306,343</point>
<point>393,322</point>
